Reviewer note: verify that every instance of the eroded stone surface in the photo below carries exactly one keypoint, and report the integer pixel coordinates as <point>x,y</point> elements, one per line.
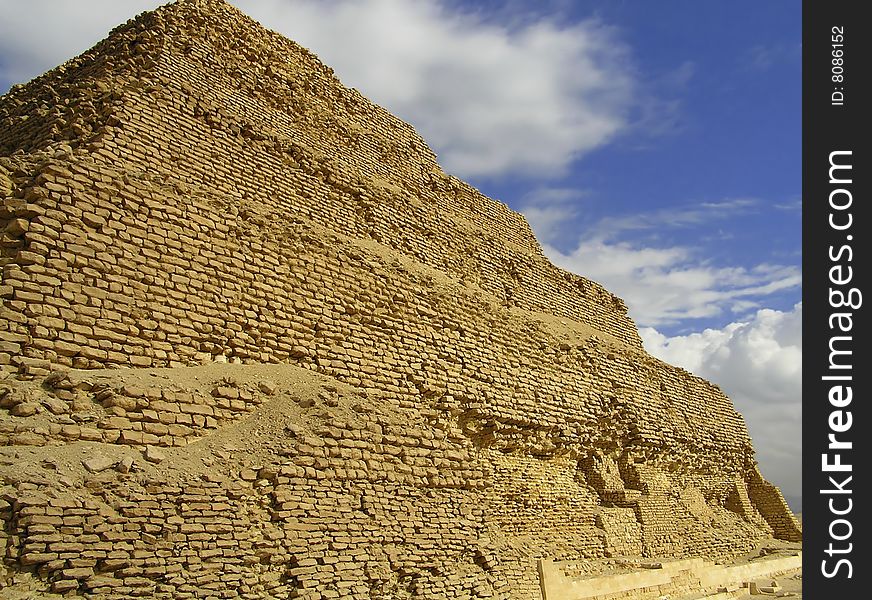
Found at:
<point>363,377</point>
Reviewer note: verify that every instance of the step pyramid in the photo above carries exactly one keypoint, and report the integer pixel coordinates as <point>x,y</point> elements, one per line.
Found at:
<point>256,343</point>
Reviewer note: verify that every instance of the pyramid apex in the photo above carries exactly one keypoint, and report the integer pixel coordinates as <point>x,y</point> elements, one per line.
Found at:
<point>203,2</point>
<point>211,3</point>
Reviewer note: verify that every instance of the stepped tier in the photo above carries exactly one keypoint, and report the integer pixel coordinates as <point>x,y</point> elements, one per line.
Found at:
<point>423,405</point>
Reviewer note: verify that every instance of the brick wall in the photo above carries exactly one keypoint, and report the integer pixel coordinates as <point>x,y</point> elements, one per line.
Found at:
<point>196,190</point>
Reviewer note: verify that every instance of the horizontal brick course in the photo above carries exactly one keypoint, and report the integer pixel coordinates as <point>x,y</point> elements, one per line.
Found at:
<point>194,203</point>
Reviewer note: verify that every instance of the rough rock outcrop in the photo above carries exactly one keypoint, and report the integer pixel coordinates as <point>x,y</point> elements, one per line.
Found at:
<point>354,376</point>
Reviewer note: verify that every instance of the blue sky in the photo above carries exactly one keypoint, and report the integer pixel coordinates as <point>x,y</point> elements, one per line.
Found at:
<point>654,147</point>
<point>711,156</point>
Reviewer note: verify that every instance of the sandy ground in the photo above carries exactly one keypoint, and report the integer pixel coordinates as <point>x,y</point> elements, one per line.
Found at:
<point>790,584</point>
<point>303,399</point>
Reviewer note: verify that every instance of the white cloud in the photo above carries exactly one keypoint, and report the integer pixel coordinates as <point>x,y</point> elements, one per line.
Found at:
<point>665,286</point>
<point>756,360</point>
<point>758,363</point>
<point>673,217</point>
<point>38,35</point>
<point>794,206</point>
<point>662,284</point>
<point>491,99</point>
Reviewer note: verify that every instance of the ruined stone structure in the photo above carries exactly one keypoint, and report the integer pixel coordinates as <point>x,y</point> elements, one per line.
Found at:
<point>257,344</point>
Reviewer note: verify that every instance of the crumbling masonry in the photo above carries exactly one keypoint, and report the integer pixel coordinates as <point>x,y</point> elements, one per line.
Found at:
<point>423,405</point>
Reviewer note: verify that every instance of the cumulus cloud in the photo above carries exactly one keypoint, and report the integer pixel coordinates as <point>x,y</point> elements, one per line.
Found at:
<point>38,35</point>
<point>492,97</point>
<point>756,359</point>
<point>662,284</point>
<point>758,363</point>
<point>665,286</point>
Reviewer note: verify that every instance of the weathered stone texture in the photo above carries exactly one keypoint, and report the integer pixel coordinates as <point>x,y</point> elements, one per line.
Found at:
<point>196,189</point>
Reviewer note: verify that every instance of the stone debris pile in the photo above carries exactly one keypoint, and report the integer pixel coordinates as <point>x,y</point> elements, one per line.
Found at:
<point>255,343</point>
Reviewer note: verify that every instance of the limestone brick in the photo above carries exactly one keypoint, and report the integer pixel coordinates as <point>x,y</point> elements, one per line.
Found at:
<point>209,243</point>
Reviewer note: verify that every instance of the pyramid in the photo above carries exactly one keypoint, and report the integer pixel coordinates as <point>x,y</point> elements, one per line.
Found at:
<point>255,343</point>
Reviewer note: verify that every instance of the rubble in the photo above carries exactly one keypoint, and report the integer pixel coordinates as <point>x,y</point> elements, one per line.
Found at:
<point>347,373</point>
